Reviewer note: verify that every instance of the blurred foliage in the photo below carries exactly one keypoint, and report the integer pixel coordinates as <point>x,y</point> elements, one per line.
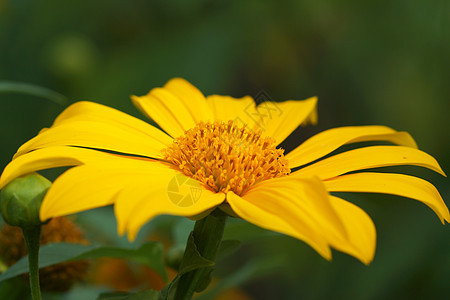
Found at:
<point>370,62</point>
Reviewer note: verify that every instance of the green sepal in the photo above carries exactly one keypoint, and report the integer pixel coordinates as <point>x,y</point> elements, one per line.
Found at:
<point>192,261</point>
<point>206,279</point>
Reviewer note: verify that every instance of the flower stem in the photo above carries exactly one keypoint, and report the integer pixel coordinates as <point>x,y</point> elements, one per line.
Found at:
<point>208,233</point>
<point>32,238</point>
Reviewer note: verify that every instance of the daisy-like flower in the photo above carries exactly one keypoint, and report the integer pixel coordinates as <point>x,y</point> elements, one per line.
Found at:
<point>225,151</point>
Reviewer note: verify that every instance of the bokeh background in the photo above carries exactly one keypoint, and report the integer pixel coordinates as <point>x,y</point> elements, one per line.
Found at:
<point>369,62</point>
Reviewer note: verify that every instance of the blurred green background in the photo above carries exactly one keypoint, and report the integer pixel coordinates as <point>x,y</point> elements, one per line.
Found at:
<point>369,62</point>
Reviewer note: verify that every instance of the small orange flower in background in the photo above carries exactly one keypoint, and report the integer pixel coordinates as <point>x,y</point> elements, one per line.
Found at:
<point>56,278</point>
<point>124,276</point>
<point>223,151</point>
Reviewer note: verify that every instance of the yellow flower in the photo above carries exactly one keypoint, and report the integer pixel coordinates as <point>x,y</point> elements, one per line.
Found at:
<point>221,151</point>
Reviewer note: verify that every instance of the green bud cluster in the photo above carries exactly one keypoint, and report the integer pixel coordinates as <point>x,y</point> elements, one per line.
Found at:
<point>21,200</point>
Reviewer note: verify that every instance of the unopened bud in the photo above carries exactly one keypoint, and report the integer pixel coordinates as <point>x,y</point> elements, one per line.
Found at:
<point>174,257</point>
<point>21,200</point>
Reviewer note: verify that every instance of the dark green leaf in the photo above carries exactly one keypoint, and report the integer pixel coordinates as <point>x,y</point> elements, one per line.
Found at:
<point>113,296</point>
<point>149,254</point>
<point>193,260</point>
<point>33,90</point>
<point>145,295</point>
<point>205,280</point>
<point>48,255</point>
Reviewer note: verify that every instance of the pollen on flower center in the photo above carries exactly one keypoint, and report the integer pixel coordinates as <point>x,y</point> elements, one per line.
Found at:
<point>226,157</point>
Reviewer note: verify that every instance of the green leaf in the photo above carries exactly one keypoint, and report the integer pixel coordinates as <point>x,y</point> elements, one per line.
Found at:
<point>33,90</point>
<point>144,295</point>
<point>113,296</point>
<point>149,254</point>
<point>77,292</point>
<point>48,255</point>
<point>193,260</point>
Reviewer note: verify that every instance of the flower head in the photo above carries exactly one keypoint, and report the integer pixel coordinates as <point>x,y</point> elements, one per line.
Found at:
<point>219,151</point>
<point>225,157</point>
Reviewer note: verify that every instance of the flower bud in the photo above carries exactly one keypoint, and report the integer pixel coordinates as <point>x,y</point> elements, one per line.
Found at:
<point>174,257</point>
<point>21,200</point>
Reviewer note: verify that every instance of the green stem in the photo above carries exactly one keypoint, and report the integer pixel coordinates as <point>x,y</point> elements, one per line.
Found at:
<point>208,233</point>
<point>32,238</point>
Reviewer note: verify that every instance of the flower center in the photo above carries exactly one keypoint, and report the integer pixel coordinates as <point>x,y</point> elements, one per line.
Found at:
<point>226,157</point>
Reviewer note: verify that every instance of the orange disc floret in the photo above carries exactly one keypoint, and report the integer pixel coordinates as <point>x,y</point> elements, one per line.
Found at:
<point>226,157</point>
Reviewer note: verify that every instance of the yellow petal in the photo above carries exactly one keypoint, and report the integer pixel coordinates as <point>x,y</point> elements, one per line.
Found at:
<point>327,141</point>
<point>395,184</point>
<point>361,231</point>
<point>82,188</point>
<point>176,107</point>
<point>165,191</point>
<point>240,110</point>
<point>369,157</point>
<point>94,185</point>
<point>52,157</point>
<point>265,218</point>
<point>94,112</point>
<point>99,135</point>
<point>193,97</point>
<point>298,207</point>
<point>280,119</point>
